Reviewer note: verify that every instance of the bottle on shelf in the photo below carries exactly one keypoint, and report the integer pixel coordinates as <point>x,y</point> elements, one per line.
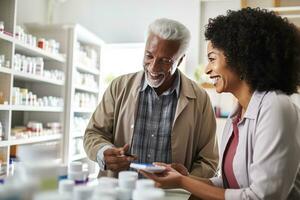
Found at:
<point>1,98</point>
<point>1,26</point>
<point>11,167</point>
<point>1,131</point>
<point>2,60</point>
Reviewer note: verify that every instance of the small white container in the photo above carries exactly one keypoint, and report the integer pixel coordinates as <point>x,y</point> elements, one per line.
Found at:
<point>145,184</point>
<point>51,196</point>
<point>82,193</point>
<point>105,193</point>
<point>124,194</point>
<point>149,194</point>
<point>75,167</point>
<point>66,186</point>
<point>107,182</point>
<point>127,183</point>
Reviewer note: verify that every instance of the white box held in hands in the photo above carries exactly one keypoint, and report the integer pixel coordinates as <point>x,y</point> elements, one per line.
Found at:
<point>148,167</point>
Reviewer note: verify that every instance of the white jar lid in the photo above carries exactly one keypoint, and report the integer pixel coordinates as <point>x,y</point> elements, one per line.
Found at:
<point>128,174</point>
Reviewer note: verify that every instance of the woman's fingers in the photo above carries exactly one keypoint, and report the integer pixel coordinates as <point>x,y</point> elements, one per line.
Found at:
<point>148,175</point>
<point>160,164</point>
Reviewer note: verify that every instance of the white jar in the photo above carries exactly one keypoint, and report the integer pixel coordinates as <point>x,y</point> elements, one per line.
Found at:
<point>51,196</point>
<point>82,193</point>
<point>66,186</point>
<point>107,182</point>
<point>104,193</point>
<point>149,194</point>
<point>124,194</point>
<point>145,184</point>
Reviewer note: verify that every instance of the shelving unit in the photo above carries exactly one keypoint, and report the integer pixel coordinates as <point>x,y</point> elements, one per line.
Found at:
<point>13,114</point>
<point>83,66</point>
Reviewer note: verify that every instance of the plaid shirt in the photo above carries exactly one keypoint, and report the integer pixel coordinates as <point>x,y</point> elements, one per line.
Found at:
<point>153,125</point>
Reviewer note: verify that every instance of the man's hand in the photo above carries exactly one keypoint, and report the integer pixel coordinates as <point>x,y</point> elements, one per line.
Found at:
<point>116,160</point>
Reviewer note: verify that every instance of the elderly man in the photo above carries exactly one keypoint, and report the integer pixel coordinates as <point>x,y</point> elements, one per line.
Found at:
<point>158,114</point>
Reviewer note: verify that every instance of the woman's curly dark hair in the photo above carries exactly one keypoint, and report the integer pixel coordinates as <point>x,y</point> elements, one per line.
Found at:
<point>260,46</point>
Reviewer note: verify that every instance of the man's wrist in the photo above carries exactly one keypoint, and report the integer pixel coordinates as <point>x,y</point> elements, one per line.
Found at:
<point>100,156</point>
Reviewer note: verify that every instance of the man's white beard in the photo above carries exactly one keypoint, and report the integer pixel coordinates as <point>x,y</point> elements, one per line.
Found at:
<point>154,83</point>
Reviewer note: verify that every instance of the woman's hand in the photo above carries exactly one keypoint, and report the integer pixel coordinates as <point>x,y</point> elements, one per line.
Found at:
<point>177,166</point>
<point>170,178</point>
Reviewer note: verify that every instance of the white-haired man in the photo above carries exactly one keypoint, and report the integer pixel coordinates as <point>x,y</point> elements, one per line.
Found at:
<point>158,114</point>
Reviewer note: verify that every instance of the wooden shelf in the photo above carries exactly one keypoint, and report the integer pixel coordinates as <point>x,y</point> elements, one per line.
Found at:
<point>37,52</point>
<point>291,16</point>
<point>88,69</point>
<point>35,139</point>
<point>86,89</point>
<point>36,109</point>
<point>284,9</point>
<point>35,78</point>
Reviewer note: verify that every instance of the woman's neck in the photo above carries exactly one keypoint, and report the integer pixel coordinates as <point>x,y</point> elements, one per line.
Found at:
<point>243,95</point>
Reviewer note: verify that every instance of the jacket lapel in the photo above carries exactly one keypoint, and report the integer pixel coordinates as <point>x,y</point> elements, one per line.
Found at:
<point>134,97</point>
<point>186,92</point>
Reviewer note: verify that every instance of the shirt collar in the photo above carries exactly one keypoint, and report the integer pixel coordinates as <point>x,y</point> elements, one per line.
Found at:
<point>252,108</point>
<point>175,86</point>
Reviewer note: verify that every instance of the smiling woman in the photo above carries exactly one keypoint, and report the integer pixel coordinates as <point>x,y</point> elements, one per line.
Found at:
<point>260,145</point>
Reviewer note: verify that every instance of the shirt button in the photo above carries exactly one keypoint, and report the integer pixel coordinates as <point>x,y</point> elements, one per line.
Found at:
<point>132,126</point>
<point>152,135</point>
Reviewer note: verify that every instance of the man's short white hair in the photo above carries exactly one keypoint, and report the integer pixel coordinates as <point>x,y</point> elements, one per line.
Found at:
<point>169,29</point>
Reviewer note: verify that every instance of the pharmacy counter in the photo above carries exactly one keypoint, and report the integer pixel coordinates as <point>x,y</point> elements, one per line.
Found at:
<point>177,194</point>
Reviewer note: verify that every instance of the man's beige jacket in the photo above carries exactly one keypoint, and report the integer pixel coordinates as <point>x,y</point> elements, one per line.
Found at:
<point>193,140</point>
